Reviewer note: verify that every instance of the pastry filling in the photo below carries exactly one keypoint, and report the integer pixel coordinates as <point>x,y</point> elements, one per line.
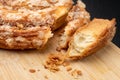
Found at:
<point>81,42</point>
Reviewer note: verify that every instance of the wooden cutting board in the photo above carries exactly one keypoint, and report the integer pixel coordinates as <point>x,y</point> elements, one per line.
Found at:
<point>103,65</point>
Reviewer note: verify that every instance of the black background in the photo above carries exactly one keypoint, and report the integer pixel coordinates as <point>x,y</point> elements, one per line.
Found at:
<point>105,9</point>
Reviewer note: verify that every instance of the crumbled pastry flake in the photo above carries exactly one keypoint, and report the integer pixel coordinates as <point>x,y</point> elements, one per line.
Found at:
<point>32,70</point>
<point>76,73</point>
<point>54,61</point>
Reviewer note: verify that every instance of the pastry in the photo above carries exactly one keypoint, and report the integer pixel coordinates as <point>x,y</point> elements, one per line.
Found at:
<point>28,24</point>
<point>91,37</point>
<point>77,17</point>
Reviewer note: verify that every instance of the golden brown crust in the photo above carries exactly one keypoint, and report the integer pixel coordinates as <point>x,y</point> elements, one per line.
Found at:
<point>101,30</point>
<point>32,12</point>
<point>27,24</point>
<point>24,39</point>
<point>60,19</point>
<point>77,17</point>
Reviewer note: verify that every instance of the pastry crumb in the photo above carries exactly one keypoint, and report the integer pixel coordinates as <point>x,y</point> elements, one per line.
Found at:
<point>69,68</point>
<point>46,77</point>
<point>38,70</point>
<point>76,73</point>
<point>32,70</point>
<point>54,61</point>
<point>66,64</point>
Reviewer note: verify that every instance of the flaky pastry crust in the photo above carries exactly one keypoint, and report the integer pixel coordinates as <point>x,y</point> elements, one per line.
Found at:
<point>92,37</point>
<point>77,17</point>
<point>28,24</point>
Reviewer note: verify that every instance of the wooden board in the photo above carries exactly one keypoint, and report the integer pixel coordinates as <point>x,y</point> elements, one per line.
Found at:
<point>15,65</point>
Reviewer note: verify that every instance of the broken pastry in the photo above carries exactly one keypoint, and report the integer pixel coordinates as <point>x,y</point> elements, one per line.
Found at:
<point>77,17</point>
<point>28,24</point>
<point>91,37</point>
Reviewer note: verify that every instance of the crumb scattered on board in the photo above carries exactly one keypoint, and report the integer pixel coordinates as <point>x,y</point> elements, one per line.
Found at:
<point>54,61</point>
<point>68,68</point>
<point>76,73</point>
<point>66,64</point>
<point>46,77</point>
<point>38,70</point>
<point>32,70</point>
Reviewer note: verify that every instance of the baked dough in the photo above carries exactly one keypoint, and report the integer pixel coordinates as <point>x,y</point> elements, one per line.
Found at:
<point>77,17</point>
<point>34,12</point>
<point>91,37</point>
<point>28,24</point>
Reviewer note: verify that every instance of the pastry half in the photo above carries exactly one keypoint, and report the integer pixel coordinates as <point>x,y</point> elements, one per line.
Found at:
<point>28,24</point>
<point>77,17</point>
<point>91,37</point>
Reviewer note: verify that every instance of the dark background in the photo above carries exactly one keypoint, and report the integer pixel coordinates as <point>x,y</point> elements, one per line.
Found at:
<point>105,9</point>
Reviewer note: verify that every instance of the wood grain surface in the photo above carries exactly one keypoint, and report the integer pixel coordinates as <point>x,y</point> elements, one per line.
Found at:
<point>15,65</point>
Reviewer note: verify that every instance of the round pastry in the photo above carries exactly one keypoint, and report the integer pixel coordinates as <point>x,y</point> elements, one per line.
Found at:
<point>27,24</point>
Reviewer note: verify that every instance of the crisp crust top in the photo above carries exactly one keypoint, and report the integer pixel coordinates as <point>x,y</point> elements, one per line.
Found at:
<point>30,12</point>
<point>27,24</point>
